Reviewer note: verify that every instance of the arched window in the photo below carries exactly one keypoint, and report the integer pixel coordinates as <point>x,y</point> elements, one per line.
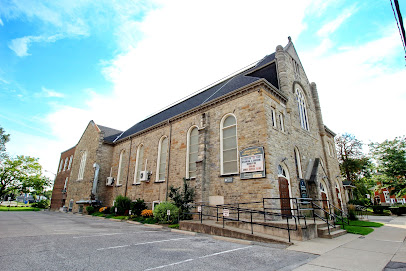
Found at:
<point>138,164</point>
<point>65,164</point>
<point>120,167</point>
<point>301,102</point>
<point>298,164</point>
<point>70,161</point>
<point>60,165</point>
<point>192,151</point>
<point>161,162</point>
<point>228,145</point>
<point>82,165</point>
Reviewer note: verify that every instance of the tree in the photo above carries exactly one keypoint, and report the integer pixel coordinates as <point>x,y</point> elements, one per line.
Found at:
<point>182,198</point>
<point>353,163</point>
<point>390,157</point>
<point>22,174</point>
<point>4,138</point>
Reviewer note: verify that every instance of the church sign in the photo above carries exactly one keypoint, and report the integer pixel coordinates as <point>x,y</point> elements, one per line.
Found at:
<point>252,163</point>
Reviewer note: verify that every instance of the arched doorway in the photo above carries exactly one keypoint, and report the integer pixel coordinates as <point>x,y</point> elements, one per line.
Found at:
<point>284,190</point>
<point>323,194</point>
<point>340,204</point>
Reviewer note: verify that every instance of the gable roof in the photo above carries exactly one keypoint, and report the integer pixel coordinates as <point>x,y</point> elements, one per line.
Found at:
<point>264,69</point>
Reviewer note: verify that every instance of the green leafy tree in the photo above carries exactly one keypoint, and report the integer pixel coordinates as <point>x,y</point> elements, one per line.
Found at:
<point>22,174</point>
<point>353,163</point>
<point>4,138</point>
<point>182,198</point>
<point>390,156</point>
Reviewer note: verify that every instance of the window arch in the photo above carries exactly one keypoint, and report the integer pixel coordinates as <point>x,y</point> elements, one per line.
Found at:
<point>161,162</point>
<point>60,165</point>
<point>228,145</point>
<point>301,102</point>
<point>192,151</point>
<point>70,161</point>
<point>298,163</point>
<point>138,164</point>
<point>120,167</point>
<point>65,164</point>
<point>82,165</point>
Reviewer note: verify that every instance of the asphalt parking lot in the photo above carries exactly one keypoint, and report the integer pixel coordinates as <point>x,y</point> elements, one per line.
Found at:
<point>59,241</point>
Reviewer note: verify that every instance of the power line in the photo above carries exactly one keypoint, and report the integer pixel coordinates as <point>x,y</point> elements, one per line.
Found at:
<point>399,21</point>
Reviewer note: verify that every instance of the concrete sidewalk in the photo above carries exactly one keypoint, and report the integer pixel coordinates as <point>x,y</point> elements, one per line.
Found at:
<point>383,249</point>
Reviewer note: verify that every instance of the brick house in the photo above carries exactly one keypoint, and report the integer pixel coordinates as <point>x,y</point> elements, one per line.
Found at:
<point>254,135</point>
<point>384,197</point>
<point>62,179</point>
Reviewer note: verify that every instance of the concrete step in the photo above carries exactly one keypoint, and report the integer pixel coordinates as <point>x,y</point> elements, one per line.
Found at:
<point>333,234</point>
<point>211,227</point>
<point>324,230</point>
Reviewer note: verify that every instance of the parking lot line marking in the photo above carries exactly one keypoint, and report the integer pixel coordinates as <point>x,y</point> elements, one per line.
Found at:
<point>222,252</point>
<point>163,266</point>
<point>145,243</point>
<point>97,235</point>
<point>112,247</point>
<point>189,260</point>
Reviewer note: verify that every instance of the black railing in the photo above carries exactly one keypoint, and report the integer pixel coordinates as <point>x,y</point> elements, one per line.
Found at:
<point>253,216</point>
<point>258,213</point>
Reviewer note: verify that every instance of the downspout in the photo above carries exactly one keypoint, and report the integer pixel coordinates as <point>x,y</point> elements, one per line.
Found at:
<point>169,159</point>
<point>95,179</point>
<point>128,168</point>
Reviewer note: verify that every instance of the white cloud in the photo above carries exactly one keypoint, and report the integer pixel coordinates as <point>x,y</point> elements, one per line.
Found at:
<point>333,25</point>
<point>50,93</point>
<point>360,89</point>
<point>1,22</point>
<point>20,45</point>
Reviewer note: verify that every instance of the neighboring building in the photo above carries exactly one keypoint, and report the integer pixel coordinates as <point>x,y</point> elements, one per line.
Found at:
<point>62,179</point>
<point>257,134</point>
<point>383,197</point>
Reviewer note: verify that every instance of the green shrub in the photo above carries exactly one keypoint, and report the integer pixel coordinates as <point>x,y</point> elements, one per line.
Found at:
<point>90,210</point>
<point>160,212</point>
<point>362,202</point>
<point>137,206</point>
<point>182,198</point>
<point>352,212</point>
<point>378,209</point>
<point>123,204</point>
<point>174,226</point>
<point>41,204</point>
<point>150,220</point>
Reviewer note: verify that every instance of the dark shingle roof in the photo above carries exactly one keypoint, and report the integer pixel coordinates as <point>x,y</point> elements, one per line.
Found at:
<point>237,81</point>
<point>109,133</point>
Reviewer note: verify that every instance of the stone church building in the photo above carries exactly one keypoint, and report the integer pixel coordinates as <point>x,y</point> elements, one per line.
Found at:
<point>257,134</point>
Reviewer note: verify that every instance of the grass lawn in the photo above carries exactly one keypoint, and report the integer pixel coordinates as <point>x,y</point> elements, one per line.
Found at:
<point>360,227</point>
<point>361,223</point>
<point>14,209</point>
<point>358,230</point>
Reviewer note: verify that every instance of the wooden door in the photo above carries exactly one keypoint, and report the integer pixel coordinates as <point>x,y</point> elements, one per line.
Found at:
<point>324,198</point>
<point>285,197</point>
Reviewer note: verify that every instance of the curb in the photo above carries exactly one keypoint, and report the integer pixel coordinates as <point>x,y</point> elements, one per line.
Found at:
<point>233,240</point>
<point>113,219</point>
<point>184,232</point>
<point>153,226</point>
<point>134,222</point>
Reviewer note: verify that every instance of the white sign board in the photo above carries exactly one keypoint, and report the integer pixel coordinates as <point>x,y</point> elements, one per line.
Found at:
<point>226,212</point>
<point>252,163</point>
<point>115,210</point>
<point>199,209</point>
<point>129,212</point>
<point>9,198</point>
<point>168,212</point>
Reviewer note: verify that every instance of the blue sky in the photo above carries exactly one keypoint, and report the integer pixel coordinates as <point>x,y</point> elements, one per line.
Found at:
<point>64,63</point>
